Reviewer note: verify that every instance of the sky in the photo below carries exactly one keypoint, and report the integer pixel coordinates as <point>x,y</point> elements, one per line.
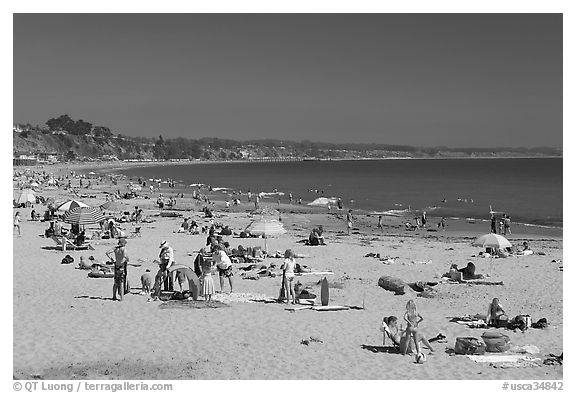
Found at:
<point>456,80</point>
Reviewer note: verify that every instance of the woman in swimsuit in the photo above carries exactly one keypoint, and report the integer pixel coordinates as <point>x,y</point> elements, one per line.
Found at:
<point>288,278</point>
<point>495,311</point>
<point>412,319</point>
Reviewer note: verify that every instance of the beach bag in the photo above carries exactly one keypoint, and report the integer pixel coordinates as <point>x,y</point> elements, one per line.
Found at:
<point>469,346</point>
<point>541,324</point>
<point>502,321</point>
<point>521,322</point>
<point>392,284</point>
<point>496,342</point>
<point>67,259</point>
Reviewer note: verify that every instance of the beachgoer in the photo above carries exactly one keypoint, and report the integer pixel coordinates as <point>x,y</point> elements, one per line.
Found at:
<point>224,266</point>
<point>120,258</point>
<point>442,223</point>
<point>492,224</point>
<point>380,226</point>
<point>495,312</point>
<point>349,219</point>
<point>468,272</point>
<point>413,319</point>
<point>147,283</point>
<point>288,275</point>
<point>290,197</point>
<point>507,230</point>
<point>525,246</point>
<point>423,219</point>
<point>166,260</point>
<point>17,220</point>
<point>206,265</point>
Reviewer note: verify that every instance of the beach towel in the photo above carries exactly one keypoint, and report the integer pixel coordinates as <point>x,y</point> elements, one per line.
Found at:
<point>500,358</point>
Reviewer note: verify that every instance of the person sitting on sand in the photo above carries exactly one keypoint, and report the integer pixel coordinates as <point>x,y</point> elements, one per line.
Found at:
<point>80,239</point>
<point>399,337</point>
<point>413,319</point>
<point>184,227</point>
<point>495,313</point>
<point>468,272</point>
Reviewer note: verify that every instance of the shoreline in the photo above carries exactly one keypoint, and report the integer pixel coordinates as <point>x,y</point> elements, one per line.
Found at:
<point>107,166</point>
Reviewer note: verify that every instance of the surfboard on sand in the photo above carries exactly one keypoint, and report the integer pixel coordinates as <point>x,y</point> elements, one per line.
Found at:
<point>324,292</point>
<point>330,308</point>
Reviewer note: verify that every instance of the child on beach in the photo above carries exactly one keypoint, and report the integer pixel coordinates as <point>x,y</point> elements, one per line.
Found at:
<point>288,275</point>
<point>207,281</point>
<point>17,220</point>
<point>413,319</point>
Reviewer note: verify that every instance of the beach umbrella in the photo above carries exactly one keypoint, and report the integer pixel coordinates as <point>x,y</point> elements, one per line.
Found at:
<point>91,173</point>
<point>83,216</point>
<point>266,228</point>
<point>71,204</point>
<point>492,240</point>
<point>27,195</point>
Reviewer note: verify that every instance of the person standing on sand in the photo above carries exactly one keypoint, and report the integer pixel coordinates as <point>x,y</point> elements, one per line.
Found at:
<point>507,230</point>
<point>224,266</point>
<point>206,265</point>
<point>442,224</point>
<point>17,220</point>
<point>288,275</point>
<point>413,319</point>
<point>120,268</point>
<point>492,223</point>
<point>290,197</point>
<point>349,220</point>
<point>380,226</point>
<point>423,219</point>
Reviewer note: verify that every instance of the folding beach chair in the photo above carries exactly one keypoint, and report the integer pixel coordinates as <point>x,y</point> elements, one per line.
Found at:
<point>66,244</point>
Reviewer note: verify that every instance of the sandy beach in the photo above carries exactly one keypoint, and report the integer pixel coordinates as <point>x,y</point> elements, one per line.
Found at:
<point>66,325</point>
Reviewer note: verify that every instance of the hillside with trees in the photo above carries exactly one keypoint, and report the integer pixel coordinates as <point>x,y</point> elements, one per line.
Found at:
<point>81,140</point>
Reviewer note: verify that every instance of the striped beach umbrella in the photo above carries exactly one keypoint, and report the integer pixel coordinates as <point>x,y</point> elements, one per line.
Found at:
<point>492,240</point>
<point>71,204</point>
<point>83,216</point>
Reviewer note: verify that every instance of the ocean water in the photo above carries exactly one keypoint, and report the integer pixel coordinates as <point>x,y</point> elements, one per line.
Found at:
<point>529,190</point>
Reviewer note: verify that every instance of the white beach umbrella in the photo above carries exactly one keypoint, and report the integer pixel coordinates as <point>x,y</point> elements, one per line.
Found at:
<point>71,204</point>
<point>492,240</point>
<point>266,227</point>
<point>27,195</point>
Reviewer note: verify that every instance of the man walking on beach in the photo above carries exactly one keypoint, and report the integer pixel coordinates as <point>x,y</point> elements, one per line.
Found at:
<point>380,226</point>
<point>349,220</point>
<point>120,268</point>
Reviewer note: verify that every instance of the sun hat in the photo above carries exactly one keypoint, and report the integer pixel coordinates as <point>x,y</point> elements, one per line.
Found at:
<point>164,244</point>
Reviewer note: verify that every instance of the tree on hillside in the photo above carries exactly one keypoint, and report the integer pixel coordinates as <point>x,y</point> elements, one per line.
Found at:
<point>61,123</point>
<point>80,127</point>
<point>100,131</point>
<point>159,151</point>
